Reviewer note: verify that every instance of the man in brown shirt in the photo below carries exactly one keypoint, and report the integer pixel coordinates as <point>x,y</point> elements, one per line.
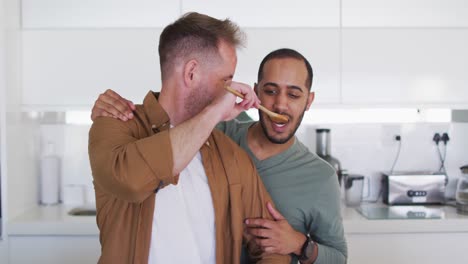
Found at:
<point>136,162</point>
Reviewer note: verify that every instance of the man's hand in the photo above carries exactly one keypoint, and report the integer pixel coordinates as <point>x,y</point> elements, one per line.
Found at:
<point>111,104</point>
<point>226,102</point>
<point>275,236</point>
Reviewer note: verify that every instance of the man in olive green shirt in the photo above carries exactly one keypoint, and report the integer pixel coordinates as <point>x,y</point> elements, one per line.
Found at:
<point>307,222</point>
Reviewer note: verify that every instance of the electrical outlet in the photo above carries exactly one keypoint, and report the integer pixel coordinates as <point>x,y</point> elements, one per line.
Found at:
<point>389,134</point>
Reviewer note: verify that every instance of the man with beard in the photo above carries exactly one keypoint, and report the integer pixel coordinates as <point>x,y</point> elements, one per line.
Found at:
<point>303,186</point>
<point>169,188</point>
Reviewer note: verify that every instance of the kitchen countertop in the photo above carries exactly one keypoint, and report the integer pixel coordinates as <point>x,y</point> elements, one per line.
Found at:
<point>52,220</point>
<point>55,220</point>
<point>356,223</point>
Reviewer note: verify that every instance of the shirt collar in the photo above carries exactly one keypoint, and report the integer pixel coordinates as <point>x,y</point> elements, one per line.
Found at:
<point>157,116</point>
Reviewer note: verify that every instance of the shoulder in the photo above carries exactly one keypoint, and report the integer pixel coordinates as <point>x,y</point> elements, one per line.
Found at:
<point>313,163</point>
<point>231,153</point>
<point>108,126</point>
<point>234,128</point>
<point>226,143</point>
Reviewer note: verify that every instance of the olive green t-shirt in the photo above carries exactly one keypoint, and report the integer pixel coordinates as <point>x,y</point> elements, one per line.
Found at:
<point>304,189</point>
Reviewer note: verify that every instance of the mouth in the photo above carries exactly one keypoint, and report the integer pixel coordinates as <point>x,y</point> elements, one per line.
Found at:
<point>279,126</point>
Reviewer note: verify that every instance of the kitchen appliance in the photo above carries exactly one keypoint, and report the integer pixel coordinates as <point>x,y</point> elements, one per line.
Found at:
<point>353,189</point>
<point>461,195</point>
<point>323,147</point>
<point>412,187</point>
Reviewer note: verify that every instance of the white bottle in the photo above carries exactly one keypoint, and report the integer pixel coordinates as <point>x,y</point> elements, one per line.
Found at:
<point>50,176</point>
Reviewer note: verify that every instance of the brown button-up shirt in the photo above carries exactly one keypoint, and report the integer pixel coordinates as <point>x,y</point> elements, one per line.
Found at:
<point>131,160</point>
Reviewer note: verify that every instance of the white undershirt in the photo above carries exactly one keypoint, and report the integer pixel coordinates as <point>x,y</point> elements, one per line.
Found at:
<point>183,222</point>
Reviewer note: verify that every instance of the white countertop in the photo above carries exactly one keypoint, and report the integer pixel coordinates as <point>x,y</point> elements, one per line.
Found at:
<point>355,223</point>
<point>52,220</point>
<point>55,220</point>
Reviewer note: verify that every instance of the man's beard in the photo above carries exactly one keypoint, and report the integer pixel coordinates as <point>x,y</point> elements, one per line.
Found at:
<point>197,100</point>
<point>288,137</point>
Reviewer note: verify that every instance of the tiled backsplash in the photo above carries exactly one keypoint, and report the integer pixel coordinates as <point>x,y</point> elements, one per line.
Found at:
<point>366,149</point>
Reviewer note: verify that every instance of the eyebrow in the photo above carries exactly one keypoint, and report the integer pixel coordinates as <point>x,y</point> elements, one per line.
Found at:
<point>289,86</point>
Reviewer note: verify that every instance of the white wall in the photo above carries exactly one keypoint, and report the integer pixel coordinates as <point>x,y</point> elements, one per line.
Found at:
<point>2,120</point>
<point>368,149</point>
<point>21,129</point>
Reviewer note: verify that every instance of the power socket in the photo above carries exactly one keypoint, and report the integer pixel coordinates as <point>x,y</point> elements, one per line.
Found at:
<point>388,134</point>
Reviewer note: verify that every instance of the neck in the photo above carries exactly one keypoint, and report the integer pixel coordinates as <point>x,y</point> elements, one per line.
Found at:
<point>172,101</point>
<point>261,146</point>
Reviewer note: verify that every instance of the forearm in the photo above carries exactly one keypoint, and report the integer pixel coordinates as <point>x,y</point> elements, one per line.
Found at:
<point>327,254</point>
<point>188,137</point>
<point>313,257</point>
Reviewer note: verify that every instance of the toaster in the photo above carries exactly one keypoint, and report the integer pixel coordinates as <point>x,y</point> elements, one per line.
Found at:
<point>408,188</point>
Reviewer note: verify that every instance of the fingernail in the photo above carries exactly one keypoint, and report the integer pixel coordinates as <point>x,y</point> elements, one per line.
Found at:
<point>130,115</point>
<point>247,221</point>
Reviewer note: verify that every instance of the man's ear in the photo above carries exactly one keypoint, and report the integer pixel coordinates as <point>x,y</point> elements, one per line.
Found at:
<point>310,99</point>
<point>191,73</point>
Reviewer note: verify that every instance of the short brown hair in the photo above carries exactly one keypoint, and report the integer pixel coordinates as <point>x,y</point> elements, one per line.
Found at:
<point>195,33</point>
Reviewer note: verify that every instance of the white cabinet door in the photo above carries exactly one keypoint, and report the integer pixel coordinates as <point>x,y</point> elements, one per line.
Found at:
<point>319,46</point>
<point>98,13</point>
<point>70,68</point>
<point>273,13</point>
<point>405,13</point>
<point>413,67</point>
<point>428,248</point>
<point>3,251</point>
<point>54,249</point>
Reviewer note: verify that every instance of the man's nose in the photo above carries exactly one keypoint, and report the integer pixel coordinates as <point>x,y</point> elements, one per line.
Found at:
<point>281,103</point>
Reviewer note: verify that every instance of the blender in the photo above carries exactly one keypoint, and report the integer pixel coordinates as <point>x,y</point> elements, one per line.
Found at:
<point>461,195</point>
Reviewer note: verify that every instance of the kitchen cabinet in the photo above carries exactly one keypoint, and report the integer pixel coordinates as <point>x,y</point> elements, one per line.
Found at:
<point>406,240</point>
<point>403,13</point>
<point>3,251</point>
<point>98,14</point>
<point>69,69</point>
<point>274,13</point>
<point>406,67</point>
<point>65,65</point>
<point>319,46</point>
<point>54,249</point>
<point>407,248</point>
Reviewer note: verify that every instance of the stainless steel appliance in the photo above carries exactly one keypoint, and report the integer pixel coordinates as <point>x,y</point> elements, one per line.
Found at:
<point>353,189</point>
<point>461,195</point>
<point>400,188</point>
<point>323,147</point>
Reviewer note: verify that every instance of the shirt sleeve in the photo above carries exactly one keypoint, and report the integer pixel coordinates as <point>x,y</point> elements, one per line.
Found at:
<point>327,226</point>
<point>255,198</point>
<point>126,166</point>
